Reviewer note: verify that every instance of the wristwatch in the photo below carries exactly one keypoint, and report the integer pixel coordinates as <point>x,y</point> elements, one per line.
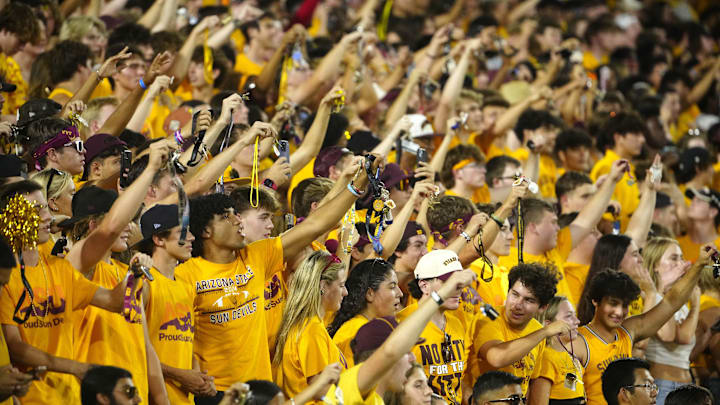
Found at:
<point>436,297</point>
<point>271,184</point>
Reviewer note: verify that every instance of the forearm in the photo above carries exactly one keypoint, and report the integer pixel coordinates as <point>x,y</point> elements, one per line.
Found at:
<point>205,177</point>
<point>150,17</point>
<point>507,353</point>
<point>702,87</point>
<point>120,117</point>
<point>399,106</point>
<point>222,35</point>
<point>312,143</point>
<point>325,72</point>
<point>592,212</point>
<point>641,220</point>
<point>86,89</point>
<point>141,113</point>
<point>181,63</point>
<point>156,383</point>
<point>436,163</point>
<point>166,22</point>
<point>113,7</point>
<point>390,239</point>
<point>680,291</point>
<point>451,15</point>
<point>451,91</point>
<point>508,119</point>
<point>686,330</point>
<point>531,168</point>
<point>23,353</point>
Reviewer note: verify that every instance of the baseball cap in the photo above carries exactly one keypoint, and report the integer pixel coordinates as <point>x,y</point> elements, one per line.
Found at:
<point>374,333</point>
<point>709,196</point>
<point>412,229</point>
<point>362,142</point>
<point>438,264</point>
<point>420,126</point>
<point>12,166</point>
<point>157,219</point>
<point>36,109</point>
<point>392,175</point>
<point>97,144</point>
<point>89,200</point>
<point>328,157</point>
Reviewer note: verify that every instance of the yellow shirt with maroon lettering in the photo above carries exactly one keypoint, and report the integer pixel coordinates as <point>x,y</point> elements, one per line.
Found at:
<point>107,338</point>
<point>307,351</point>
<point>345,334</point>
<point>58,290</point>
<point>275,297</point>
<point>229,314</point>
<point>600,354</point>
<point>443,355</point>
<point>486,330</point>
<point>554,366</point>
<point>171,327</point>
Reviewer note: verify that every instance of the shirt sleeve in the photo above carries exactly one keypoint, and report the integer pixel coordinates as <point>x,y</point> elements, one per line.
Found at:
<point>8,299</point>
<point>83,290</point>
<point>486,331</point>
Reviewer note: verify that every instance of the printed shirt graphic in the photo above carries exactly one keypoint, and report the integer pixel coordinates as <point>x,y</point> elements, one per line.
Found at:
<point>229,312</point>
<point>275,296</point>
<point>444,364</point>
<point>307,351</point>
<point>171,327</point>
<point>486,330</point>
<point>555,366</point>
<point>600,354</point>
<point>59,291</point>
<point>103,337</point>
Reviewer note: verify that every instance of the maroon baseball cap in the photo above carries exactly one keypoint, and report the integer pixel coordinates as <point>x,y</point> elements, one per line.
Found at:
<point>328,157</point>
<point>412,229</point>
<point>392,175</point>
<point>374,333</point>
<point>97,144</point>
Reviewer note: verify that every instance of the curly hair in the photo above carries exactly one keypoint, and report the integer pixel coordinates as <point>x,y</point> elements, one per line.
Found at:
<point>202,210</point>
<point>611,283</point>
<point>366,275</point>
<point>540,279</point>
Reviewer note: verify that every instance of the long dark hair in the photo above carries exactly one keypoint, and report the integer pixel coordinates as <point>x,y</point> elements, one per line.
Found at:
<point>608,254</point>
<point>366,275</point>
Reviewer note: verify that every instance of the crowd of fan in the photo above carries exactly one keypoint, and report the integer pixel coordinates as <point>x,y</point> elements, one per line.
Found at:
<point>360,202</point>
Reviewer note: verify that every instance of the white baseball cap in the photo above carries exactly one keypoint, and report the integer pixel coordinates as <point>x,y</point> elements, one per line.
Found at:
<point>438,264</point>
<point>420,126</point>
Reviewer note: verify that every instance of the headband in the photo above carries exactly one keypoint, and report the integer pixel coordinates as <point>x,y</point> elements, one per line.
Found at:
<point>459,165</point>
<point>62,138</point>
<point>437,233</point>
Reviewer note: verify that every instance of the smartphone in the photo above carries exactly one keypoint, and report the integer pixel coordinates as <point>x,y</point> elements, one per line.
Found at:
<point>125,163</point>
<point>422,156</point>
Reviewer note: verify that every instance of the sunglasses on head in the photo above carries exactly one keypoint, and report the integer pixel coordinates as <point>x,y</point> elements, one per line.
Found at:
<point>53,172</point>
<point>512,400</point>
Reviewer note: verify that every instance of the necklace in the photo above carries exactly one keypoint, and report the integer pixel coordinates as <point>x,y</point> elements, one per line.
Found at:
<point>47,294</point>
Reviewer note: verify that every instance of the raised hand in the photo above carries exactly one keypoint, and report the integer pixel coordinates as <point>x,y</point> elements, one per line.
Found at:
<point>160,64</point>
<point>114,63</point>
<point>230,104</point>
<point>159,155</point>
<point>456,283</point>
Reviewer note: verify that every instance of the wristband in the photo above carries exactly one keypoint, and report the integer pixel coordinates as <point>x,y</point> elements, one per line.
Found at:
<point>269,183</point>
<point>497,220</point>
<point>357,193</point>
<point>141,82</point>
<point>437,298</point>
<point>99,76</point>
<point>466,236</point>
<point>178,137</point>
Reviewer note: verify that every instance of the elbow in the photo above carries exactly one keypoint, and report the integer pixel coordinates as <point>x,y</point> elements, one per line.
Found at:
<point>684,339</point>
<point>494,360</point>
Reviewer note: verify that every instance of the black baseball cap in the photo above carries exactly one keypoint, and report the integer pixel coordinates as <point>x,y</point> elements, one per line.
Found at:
<point>157,219</point>
<point>662,200</point>
<point>90,200</point>
<point>36,109</point>
<point>712,197</point>
<point>12,166</point>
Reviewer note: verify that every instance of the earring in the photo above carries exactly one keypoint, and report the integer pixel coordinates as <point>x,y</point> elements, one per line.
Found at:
<point>322,292</point>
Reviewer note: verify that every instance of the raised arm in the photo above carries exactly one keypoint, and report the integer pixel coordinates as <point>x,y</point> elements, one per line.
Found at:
<point>453,86</point>
<point>402,340</point>
<point>645,325</point>
<point>641,220</point>
<point>390,239</point>
<point>589,216</point>
<point>87,252</point>
<point>107,69</point>
<point>143,109</point>
<point>181,62</point>
<point>266,79</point>
<point>703,85</point>
<point>314,137</point>
<point>300,236</point>
<point>117,121</point>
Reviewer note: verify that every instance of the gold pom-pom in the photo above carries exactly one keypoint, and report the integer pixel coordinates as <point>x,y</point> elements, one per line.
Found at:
<point>19,223</point>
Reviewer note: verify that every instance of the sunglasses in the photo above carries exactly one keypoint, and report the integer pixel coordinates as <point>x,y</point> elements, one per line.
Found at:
<point>130,391</point>
<point>53,172</point>
<point>78,144</point>
<point>512,400</point>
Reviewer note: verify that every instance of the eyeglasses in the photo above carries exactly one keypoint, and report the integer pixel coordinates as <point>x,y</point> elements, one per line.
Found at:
<point>130,391</point>
<point>53,173</point>
<point>78,144</point>
<point>512,400</point>
<point>648,386</point>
